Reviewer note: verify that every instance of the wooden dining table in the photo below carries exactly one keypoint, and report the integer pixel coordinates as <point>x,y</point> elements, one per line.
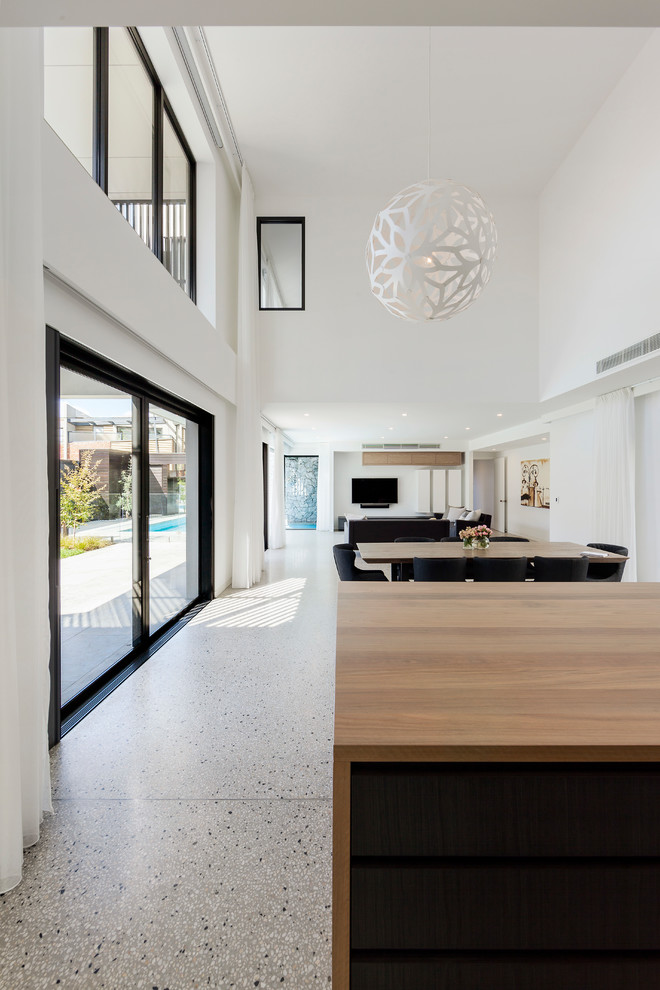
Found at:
<point>403,553</point>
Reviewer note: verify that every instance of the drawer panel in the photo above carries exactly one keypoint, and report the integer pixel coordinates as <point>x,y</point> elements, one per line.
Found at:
<point>528,810</point>
<point>507,906</point>
<point>536,972</point>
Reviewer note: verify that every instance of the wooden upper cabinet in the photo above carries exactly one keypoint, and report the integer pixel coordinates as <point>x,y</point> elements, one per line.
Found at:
<point>419,458</point>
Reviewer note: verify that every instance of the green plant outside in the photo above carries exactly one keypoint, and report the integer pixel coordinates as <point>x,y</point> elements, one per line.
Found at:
<point>70,548</point>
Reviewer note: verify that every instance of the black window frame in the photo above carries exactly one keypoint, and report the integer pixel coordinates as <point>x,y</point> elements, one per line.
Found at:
<point>62,351</point>
<point>290,220</point>
<point>161,107</point>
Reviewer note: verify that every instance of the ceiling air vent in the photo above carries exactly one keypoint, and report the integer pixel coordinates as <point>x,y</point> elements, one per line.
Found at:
<point>647,346</point>
<point>401,446</point>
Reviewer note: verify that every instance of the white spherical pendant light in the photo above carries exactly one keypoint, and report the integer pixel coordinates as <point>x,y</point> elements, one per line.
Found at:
<point>431,250</point>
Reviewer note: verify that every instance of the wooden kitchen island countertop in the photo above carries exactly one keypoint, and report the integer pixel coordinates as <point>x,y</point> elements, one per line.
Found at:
<point>501,671</point>
<point>496,791</point>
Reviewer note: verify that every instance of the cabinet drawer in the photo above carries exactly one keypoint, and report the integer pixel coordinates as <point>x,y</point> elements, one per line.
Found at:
<point>502,905</point>
<point>509,972</point>
<point>524,810</point>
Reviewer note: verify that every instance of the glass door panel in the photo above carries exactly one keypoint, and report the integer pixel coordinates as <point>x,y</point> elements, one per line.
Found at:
<point>173,514</point>
<point>97,467</point>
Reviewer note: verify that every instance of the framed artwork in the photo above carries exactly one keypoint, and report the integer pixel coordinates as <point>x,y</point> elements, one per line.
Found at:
<point>535,483</point>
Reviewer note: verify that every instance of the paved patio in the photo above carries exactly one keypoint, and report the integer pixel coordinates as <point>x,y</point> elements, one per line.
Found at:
<point>96,604</point>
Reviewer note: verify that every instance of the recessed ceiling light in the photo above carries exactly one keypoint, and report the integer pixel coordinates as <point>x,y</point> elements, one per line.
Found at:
<point>445,438</point>
<point>499,414</point>
<point>544,438</point>
<point>305,414</point>
<point>404,414</point>
<point>467,427</point>
<point>390,427</point>
<point>382,438</point>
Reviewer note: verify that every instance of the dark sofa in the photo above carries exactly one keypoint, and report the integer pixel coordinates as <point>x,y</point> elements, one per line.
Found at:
<point>386,529</point>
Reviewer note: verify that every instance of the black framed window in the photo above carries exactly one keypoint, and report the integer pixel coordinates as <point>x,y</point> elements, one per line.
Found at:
<point>131,472</point>
<point>281,258</point>
<point>103,97</point>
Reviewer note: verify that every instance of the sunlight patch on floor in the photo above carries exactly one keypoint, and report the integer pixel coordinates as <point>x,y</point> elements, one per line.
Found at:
<point>264,606</point>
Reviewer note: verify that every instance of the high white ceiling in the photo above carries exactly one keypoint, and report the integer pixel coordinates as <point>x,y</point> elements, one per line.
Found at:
<point>343,111</point>
<point>507,12</point>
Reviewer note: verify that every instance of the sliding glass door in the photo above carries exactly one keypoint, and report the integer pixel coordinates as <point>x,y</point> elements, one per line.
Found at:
<point>131,490</point>
<point>96,539</point>
<point>173,516</point>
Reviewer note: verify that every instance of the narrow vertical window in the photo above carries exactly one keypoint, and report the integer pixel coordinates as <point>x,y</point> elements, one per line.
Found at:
<point>176,206</point>
<point>130,135</point>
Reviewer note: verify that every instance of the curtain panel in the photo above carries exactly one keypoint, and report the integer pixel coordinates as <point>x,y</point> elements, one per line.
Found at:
<point>24,651</point>
<point>276,515</point>
<point>248,554</point>
<point>614,473</point>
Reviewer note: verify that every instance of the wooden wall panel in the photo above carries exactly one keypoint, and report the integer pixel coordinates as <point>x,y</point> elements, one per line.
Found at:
<point>431,458</point>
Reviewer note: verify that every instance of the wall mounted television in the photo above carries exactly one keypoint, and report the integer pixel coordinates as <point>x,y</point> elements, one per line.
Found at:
<point>374,491</point>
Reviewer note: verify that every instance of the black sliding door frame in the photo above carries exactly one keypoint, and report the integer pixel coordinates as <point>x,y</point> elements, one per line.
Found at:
<point>62,352</point>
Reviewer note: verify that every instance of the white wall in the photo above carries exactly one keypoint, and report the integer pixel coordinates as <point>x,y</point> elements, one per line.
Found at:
<point>525,520</point>
<point>163,336</point>
<point>347,347</point>
<point>348,465</point>
<point>599,244</point>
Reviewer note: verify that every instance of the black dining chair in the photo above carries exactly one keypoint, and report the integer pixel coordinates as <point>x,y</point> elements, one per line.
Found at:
<point>560,568</point>
<point>516,539</point>
<point>439,568</point>
<point>451,539</point>
<point>499,568</point>
<point>344,555</point>
<point>404,572</point>
<point>607,571</point>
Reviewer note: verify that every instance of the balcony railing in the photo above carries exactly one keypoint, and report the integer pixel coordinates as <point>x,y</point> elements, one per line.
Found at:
<point>139,214</point>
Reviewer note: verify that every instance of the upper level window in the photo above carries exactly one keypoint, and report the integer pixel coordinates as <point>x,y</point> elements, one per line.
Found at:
<point>104,99</point>
<point>69,88</point>
<point>176,205</point>
<point>130,135</point>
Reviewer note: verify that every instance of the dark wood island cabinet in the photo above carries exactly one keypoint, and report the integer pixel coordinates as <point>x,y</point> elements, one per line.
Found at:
<point>497,787</point>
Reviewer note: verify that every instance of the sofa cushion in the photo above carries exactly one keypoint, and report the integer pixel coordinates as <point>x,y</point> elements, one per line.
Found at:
<point>454,512</point>
<point>474,516</point>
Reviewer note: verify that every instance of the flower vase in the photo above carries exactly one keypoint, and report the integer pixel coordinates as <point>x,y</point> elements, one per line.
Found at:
<point>483,544</point>
<point>468,544</point>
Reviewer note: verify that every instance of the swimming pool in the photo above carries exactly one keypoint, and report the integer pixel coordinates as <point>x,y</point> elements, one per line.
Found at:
<point>174,522</point>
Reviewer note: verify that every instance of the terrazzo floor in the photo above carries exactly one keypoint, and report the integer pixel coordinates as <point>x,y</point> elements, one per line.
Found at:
<point>191,840</point>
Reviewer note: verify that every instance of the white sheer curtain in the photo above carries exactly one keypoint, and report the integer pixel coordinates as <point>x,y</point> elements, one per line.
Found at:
<point>647,419</point>
<point>276,520</point>
<point>24,678</point>
<point>614,473</point>
<point>324,494</point>
<point>249,500</point>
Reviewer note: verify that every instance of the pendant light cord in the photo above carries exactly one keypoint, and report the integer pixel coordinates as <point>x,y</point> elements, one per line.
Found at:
<point>428,108</point>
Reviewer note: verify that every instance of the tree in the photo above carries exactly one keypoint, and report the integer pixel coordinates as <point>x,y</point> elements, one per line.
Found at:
<point>79,492</point>
<point>125,500</point>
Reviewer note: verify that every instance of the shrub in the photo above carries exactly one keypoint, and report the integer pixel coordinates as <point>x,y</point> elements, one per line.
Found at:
<point>69,547</point>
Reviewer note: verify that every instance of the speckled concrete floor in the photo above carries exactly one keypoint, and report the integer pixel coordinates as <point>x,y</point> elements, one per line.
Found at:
<point>190,845</point>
